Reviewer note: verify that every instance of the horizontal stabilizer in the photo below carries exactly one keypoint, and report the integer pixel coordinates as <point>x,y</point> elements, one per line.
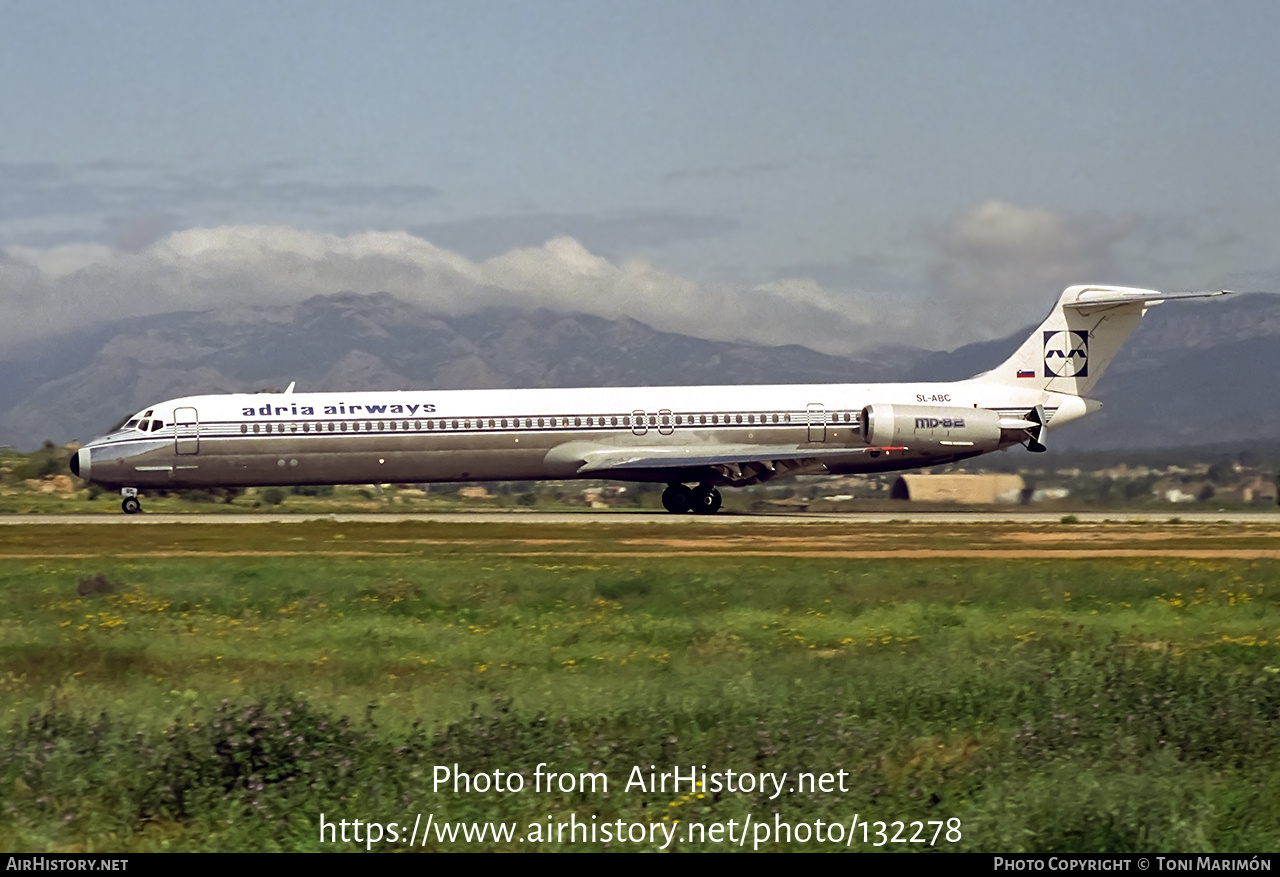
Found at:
<point>1104,296</point>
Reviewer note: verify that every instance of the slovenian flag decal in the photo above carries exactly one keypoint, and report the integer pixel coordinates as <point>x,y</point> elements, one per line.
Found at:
<point>1026,373</point>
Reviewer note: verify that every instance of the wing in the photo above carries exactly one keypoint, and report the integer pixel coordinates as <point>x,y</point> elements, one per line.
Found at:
<point>739,464</point>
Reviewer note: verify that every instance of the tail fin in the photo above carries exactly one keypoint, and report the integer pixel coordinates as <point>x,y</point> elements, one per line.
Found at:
<point>1077,341</point>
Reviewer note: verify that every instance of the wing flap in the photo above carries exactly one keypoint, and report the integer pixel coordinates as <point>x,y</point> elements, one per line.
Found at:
<point>607,459</point>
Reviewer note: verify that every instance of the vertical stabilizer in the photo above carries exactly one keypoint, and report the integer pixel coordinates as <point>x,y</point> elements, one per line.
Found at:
<point>1071,349</point>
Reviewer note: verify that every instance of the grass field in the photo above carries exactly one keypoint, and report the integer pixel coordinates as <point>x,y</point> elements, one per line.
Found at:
<point>1054,687</point>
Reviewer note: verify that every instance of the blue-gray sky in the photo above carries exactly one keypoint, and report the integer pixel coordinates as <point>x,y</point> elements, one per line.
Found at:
<point>840,174</point>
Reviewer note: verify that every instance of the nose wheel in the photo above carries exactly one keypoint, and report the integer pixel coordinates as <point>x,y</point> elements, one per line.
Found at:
<point>703,499</point>
<point>130,505</point>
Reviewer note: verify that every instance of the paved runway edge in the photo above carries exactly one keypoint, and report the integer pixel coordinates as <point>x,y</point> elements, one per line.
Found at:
<point>596,518</point>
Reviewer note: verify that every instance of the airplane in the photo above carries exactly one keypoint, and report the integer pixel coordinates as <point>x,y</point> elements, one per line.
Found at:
<point>709,437</point>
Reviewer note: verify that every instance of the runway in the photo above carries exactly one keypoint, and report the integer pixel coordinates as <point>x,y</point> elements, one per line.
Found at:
<point>1269,517</point>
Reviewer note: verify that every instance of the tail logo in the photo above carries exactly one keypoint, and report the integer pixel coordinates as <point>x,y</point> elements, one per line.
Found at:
<point>1066,353</point>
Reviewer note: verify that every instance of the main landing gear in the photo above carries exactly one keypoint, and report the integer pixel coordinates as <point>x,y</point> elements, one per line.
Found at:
<point>130,505</point>
<point>702,500</point>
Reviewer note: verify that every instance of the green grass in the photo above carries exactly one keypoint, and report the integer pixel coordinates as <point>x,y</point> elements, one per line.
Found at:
<point>1103,704</point>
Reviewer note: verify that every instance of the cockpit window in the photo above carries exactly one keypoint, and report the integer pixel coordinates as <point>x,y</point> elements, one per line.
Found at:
<point>131,424</point>
<point>144,426</point>
<point>156,424</point>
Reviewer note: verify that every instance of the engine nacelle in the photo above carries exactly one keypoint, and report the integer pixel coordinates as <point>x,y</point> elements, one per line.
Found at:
<point>931,428</point>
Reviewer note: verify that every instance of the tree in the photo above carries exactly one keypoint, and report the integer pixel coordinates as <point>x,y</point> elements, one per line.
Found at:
<point>1222,472</point>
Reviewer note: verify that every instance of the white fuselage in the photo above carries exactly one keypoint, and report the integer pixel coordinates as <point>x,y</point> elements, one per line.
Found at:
<point>479,435</point>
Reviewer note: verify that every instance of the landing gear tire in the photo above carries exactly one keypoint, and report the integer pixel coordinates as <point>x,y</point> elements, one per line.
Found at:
<point>677,499</point>
<point>131,505</point>
<point>705,500</point>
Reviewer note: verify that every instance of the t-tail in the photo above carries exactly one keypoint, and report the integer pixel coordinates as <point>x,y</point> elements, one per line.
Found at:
<point>1077,341</point>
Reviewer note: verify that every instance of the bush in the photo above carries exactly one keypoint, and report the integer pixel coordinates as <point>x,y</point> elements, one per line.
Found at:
<point>49,460</point>
<point>99,584</point>
<point>313,490</point>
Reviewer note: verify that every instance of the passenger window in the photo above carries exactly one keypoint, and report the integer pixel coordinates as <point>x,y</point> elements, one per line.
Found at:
<point>343,425</point>
<point>256,427</point>
<point>244,427</point>
<point>306,427</point>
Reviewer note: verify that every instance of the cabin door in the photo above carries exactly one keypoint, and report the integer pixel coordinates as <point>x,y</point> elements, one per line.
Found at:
<point>817,422</point>
<point>186,431</point>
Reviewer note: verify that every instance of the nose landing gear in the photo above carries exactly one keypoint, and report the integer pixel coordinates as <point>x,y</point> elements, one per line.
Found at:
<point>703,499</point>
<point>130,505</point>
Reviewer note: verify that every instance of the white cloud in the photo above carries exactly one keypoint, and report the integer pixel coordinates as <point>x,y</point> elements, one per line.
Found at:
<point>999,260</point>
<point>997,265</point>
<point>71,287</point>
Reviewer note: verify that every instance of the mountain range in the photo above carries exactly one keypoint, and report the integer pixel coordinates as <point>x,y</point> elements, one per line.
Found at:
<point>1193,373</point>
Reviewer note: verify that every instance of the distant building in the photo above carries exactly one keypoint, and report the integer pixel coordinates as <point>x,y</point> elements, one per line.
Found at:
<point>965,489</point>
